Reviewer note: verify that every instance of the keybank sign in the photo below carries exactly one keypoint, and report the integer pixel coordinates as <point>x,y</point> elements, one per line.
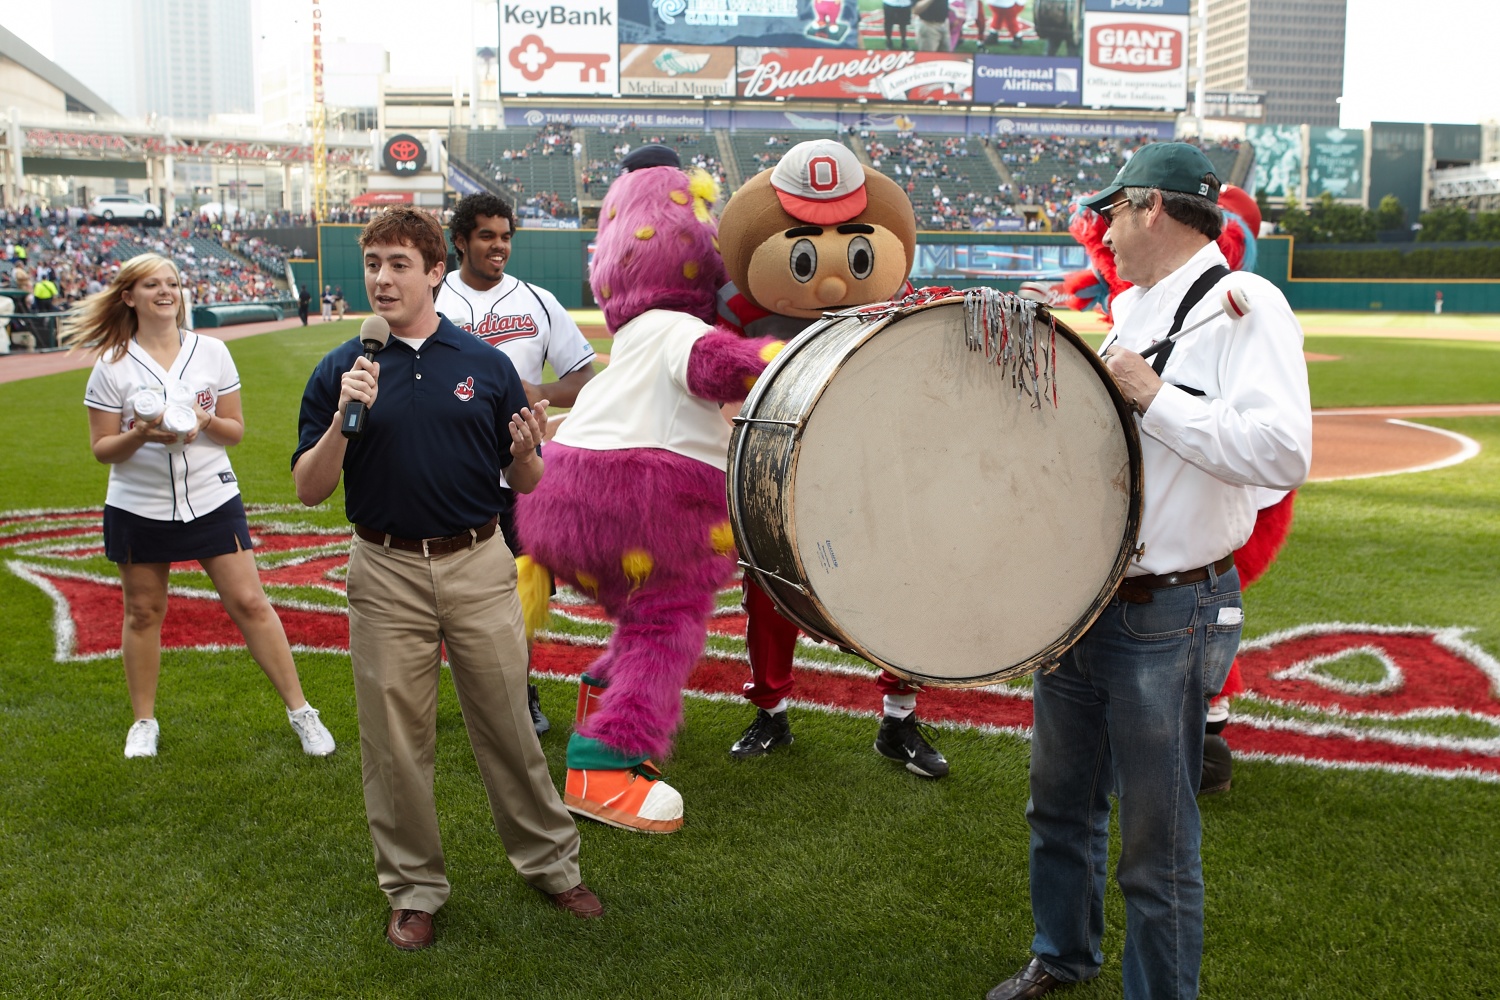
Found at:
<point>557,14</point>
<point>1141,6</point>
<point>566,47</point>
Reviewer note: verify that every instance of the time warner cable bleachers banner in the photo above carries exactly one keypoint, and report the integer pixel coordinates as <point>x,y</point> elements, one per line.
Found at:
<point>1041,53</point>
<point>698,120</point>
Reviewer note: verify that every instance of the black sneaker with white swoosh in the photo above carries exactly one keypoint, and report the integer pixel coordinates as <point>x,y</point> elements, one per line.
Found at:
<point>908,741</point>
<point>765,734</point>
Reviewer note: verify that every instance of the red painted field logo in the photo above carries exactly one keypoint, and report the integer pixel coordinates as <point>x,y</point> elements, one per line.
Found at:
<point>465,389</point>
<point>1135,48</point>
<point>1407,699</point>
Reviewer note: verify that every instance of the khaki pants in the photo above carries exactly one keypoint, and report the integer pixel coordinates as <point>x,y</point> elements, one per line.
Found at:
<point>932,37</point>
<point>402,605</point>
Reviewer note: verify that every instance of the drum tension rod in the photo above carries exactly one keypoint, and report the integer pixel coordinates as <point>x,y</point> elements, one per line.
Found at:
<point>778,578</point>
<point>766,420</point>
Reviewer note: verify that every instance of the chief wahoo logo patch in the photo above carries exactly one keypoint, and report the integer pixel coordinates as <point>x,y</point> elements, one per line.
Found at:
<point>465,389</point>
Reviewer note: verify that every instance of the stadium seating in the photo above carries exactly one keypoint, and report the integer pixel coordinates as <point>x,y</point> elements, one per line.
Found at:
<point>952,181</point>
<point>948,177</point>
<point>603,149</point>
<point>535,167</point>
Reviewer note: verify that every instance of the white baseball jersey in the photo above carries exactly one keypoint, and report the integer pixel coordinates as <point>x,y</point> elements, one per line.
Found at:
<point>524,321</point>
<point>154,482</point>
<point>642,401</point>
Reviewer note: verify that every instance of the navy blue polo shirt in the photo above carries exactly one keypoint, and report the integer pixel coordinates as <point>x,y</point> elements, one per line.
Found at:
<point>428,463</point>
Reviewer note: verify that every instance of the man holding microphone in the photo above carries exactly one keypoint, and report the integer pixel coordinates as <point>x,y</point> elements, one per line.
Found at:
<point>444,414</point>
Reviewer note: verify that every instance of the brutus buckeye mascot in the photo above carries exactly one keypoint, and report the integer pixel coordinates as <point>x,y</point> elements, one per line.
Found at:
<point>816,232</point>
<point>632,508</point>
<point>1096,289</point>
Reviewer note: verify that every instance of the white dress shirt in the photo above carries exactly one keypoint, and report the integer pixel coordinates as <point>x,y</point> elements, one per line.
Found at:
<point>1204,456</point>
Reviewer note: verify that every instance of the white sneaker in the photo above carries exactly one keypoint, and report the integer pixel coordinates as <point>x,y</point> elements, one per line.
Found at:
<point>317,741</point>
<point>141,740</point>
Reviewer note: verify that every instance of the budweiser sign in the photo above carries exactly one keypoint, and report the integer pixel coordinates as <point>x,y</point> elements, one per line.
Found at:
<point>888,76</point>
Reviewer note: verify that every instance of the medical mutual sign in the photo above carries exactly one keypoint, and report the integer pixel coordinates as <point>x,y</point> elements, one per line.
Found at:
<point>1134,57</point>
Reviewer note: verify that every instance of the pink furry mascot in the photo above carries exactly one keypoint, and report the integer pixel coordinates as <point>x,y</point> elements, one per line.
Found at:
<point>632,507</point>
<point>1095,289</point>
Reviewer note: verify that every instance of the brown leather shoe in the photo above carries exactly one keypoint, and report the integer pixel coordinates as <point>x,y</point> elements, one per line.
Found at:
<point>578,901</point>
<point>1031,982</point>
<point>410,930</point>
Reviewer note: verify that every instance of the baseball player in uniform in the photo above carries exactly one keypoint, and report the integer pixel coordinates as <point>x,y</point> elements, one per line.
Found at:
<point>532,328</point>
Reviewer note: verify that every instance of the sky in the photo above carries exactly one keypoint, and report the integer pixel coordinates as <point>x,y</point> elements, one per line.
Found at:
<point>1427,62</point>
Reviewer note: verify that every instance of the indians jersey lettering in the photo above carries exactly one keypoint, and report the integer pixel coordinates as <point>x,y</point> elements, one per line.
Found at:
<point>520,319</point>
<point>524,321</point>
<point>496,330</point>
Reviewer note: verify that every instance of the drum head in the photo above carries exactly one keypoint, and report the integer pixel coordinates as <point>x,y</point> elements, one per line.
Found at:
<point>958,531</point>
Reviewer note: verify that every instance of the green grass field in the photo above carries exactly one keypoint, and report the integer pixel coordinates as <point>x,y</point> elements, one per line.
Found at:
<point>233,866</point>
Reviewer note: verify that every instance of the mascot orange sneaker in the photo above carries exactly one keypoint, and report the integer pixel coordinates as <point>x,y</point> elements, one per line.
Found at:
<point>631,798</point>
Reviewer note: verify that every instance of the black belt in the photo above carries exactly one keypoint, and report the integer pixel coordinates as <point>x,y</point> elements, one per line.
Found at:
<point>429,546</point>
<point>1137,589</point>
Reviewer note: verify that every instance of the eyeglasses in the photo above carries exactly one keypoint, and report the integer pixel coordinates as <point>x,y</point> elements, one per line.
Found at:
<point>1108,212</point>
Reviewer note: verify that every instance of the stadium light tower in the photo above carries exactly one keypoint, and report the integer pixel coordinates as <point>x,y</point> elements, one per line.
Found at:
<point>1198,96</point>
<point>319,120</point>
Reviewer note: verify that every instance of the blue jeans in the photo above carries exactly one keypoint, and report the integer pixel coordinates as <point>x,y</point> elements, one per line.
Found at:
<point>1123,715</point>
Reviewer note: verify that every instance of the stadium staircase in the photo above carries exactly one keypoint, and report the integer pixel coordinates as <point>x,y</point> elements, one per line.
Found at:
<point>1001,170</point>
<point>1244,166</point>
<point>750,143</point>
<point>474,174</point>
<point>733,177</point>
<point>860,152</point>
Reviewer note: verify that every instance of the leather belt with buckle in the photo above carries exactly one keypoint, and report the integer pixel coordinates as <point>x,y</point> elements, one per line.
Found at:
<point>1137,589</point>
<point>430,546</point>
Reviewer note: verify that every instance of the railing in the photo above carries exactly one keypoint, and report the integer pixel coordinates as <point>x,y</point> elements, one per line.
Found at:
<point>37,332</point>
<point>34,331</point>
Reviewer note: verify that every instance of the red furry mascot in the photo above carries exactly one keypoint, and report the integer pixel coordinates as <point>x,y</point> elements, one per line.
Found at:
<point>1095,289</point>
<point>632,510</point>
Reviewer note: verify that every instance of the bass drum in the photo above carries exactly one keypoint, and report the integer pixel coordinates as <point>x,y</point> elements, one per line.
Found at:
<point>950,490</point>
<point>1057,20</point>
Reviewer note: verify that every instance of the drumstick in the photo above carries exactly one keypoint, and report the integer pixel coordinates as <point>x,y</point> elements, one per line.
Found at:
<point>1234,303</point>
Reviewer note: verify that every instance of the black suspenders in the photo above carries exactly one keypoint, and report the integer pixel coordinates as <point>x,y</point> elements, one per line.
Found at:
<point>1208,279</point>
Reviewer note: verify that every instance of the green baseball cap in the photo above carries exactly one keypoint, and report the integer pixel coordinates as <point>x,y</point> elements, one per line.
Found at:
<point>1170,166</point>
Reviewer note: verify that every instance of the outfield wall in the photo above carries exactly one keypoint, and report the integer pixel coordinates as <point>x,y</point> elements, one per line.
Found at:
<point>1460,295</point>
<point>557,259</point>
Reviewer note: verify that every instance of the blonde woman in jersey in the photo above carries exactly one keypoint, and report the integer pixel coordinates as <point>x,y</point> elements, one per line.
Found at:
<point>173,496</point>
